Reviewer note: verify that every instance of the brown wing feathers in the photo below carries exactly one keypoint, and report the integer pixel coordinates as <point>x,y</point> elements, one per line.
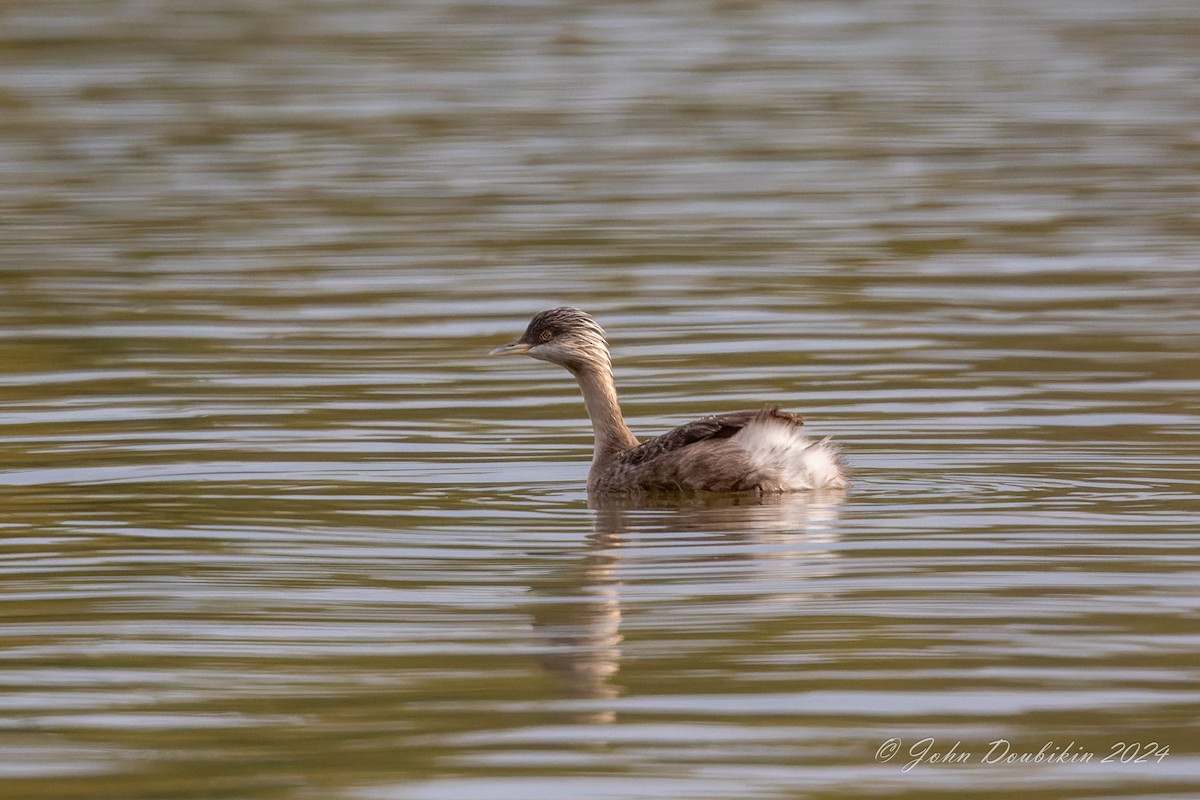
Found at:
<point>717,426</point>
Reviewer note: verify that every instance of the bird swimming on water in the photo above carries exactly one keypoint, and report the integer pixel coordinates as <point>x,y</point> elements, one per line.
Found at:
<point>764,450</point>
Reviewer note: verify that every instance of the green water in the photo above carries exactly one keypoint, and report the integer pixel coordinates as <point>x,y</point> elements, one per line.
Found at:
<point>275,528</point>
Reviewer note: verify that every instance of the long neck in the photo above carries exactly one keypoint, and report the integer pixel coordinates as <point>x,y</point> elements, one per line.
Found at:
<point>600,398</point>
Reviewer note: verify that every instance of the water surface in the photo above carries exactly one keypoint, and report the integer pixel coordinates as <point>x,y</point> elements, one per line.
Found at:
<point>275,527</point>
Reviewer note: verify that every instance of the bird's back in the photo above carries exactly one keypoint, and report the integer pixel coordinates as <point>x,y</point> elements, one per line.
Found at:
<point>764,450</point>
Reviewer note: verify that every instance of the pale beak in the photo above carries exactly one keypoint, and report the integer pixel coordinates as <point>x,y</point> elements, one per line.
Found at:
<point>510,349</point>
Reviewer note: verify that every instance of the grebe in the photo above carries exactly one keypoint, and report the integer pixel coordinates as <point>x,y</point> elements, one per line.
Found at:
<point>763,450</point>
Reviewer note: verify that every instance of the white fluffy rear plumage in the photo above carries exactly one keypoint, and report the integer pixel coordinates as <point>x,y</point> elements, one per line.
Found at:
<point>778,448</point>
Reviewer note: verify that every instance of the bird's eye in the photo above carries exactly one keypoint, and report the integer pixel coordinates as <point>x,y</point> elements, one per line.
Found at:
<point>545,336</point>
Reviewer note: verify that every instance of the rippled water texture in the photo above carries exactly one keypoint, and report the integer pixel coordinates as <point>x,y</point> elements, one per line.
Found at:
<point>275,528</point>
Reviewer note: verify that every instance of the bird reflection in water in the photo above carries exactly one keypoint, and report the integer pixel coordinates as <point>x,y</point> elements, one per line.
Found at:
<point>577,611</point>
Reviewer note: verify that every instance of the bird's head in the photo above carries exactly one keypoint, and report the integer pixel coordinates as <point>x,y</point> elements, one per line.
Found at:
<point>564,336</point>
